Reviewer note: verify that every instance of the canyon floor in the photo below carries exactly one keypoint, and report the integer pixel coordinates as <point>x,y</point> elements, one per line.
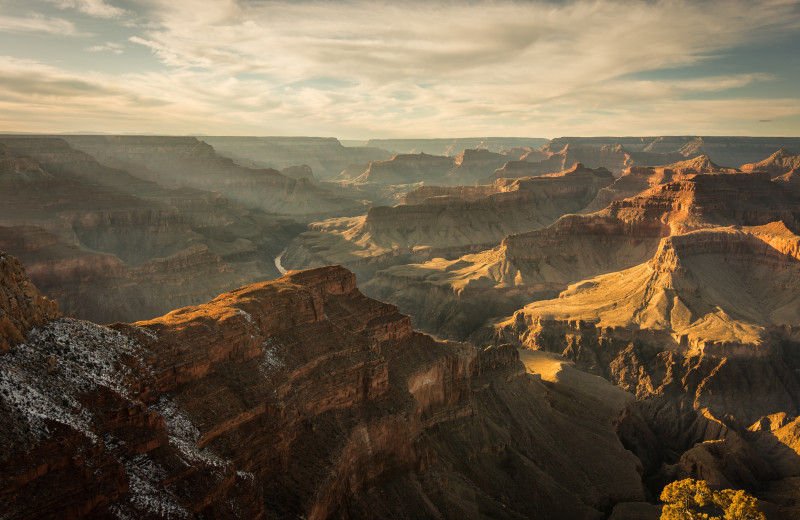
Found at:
<point>569,325</point>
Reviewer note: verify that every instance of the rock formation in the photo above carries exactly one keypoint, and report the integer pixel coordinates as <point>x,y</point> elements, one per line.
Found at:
<point>110,246</point>
<point>325,156</point>
<point>705,335</point>
<point>386,182</point>
<point>299,397</point>
<point>444,222</point>
<point>21,305</point>
<point>727,151</point>
<point>459,294</point>
<point>636,179</point>
<point>177,162</point>
<point>777,164</point>
<point>454,147</point>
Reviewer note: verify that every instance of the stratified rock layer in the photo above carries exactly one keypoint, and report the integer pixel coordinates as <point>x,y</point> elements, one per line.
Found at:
<point>110,246</point>
<point>444,221</point>
<point>297,397</point>
<point>452,297</point>
<point>22,307</point>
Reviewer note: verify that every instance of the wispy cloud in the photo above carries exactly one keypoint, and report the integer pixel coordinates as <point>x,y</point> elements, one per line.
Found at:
<point>96,8</point>
<point>358,68</point>
<point>38,23</point>
<point>116,48</point>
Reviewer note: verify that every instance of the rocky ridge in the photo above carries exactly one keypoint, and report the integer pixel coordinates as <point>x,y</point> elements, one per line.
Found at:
<point>705,335</point>
<point>780,163</point>
<point>111,246</point>
<point>21,305</point>
<point>444,221</point>
<point>297,397</point>
<point>177,162</point>
<point>458,294</point>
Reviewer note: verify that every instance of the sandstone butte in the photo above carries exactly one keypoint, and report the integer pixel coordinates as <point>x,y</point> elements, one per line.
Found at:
<point>298,397</point>
<point>448,221</point>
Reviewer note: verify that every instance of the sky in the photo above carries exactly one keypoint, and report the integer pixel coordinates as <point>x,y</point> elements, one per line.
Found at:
<point>355,69</point>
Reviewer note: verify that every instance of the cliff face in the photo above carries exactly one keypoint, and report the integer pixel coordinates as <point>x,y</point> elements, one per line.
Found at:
<point>636,179</point>
<point>777,164</point>
<point>538,264</point>
<point>22,307</point>
<point>297,397</point>
<point>444,222</point>
<point>704,334</point>
<point>406,169</point>
<point>727,151</point>
<point>187,162</point>
<point>110,246</point>
<point>557,156</point>
<point>325,156</point>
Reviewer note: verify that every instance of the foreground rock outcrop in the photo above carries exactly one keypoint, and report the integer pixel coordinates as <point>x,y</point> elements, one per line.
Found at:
<point>21,305</point>
<point>298,397</point>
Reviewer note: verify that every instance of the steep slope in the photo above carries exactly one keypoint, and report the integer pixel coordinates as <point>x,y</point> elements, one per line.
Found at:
<point>21,305</point>
<point>297,397</point>
<point>324,155</point>
<point>457,295</point>
<point>636,179</point>
<point>705,334</point>
<point>777,164</point>
<point>110,246</point>
<point>186,162</point>
<point>718,291</point>
<point>444,221</point>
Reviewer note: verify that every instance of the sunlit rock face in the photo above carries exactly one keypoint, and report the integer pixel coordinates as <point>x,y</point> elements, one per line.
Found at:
<point>444,222</point>
<point>726,151</point>
<point>777,164</point>
<point>458,295</point>
<point>299,397</point>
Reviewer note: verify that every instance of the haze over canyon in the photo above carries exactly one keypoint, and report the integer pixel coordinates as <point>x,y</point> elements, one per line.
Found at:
<point>280,327</point>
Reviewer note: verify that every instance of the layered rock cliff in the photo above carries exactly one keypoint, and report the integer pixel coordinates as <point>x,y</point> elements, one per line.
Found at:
<point>444,222</point>
<point>297,397</point>
<point>777,164</point>
<point>459,294</point>
<point>22,307</point>
<point>324,155</point>
<point>636,179</point>
<point>187,162</point>
<point>110,246</point>
<point>705,335</point>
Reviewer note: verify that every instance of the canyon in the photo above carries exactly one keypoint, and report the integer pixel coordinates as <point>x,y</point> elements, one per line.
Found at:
<point>607,316</point>
<point>297,397</point>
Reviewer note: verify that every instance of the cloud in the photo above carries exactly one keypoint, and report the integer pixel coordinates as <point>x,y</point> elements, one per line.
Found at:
<point>358,68</point>
<point>116,48</point>
<point>37,23</point>
<point>95,8</point>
